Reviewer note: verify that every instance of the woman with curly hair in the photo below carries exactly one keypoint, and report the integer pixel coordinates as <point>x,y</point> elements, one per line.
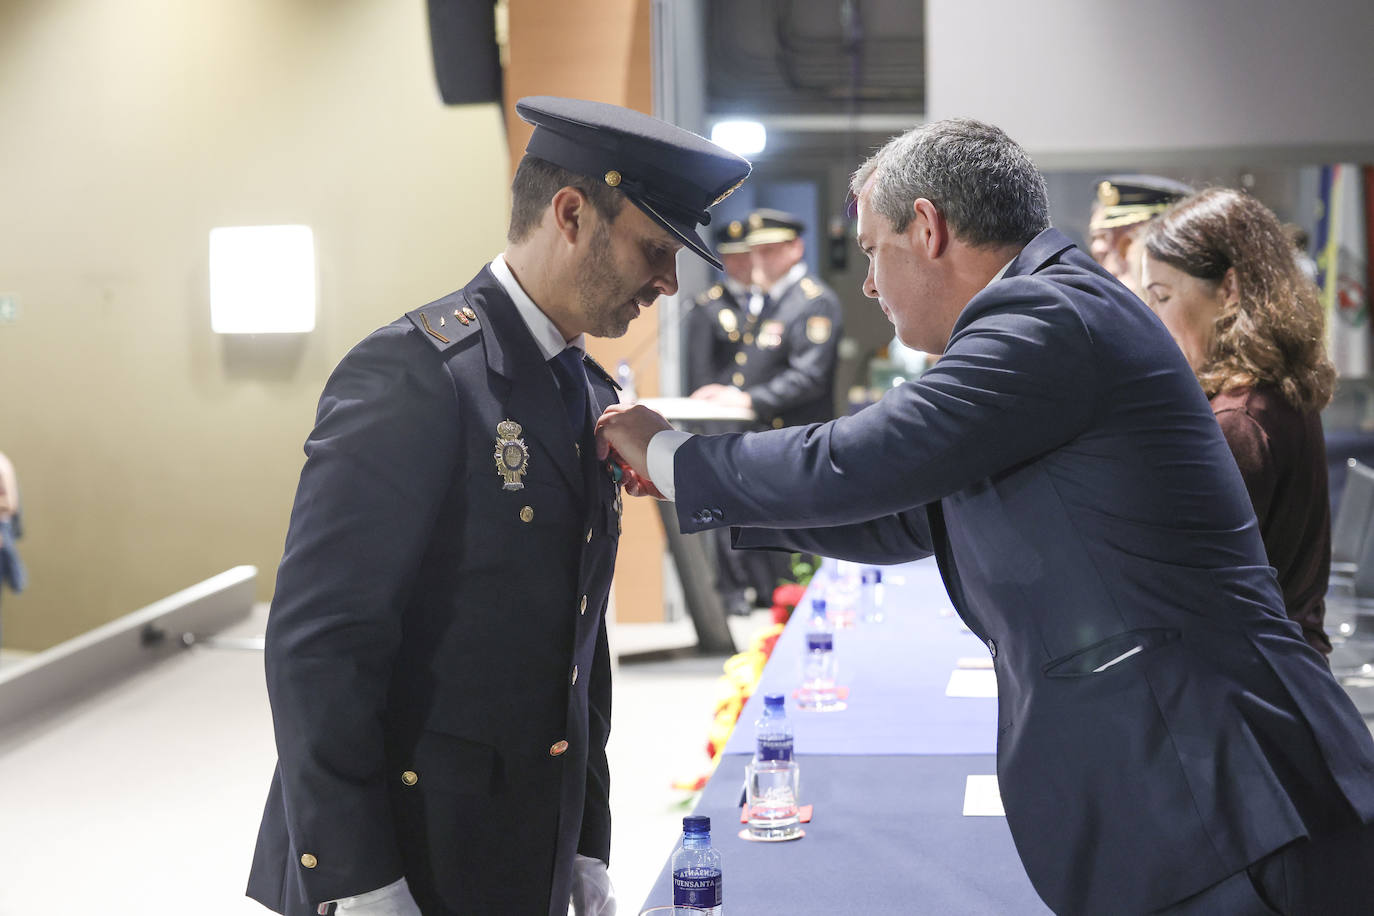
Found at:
<point>1220,272</point>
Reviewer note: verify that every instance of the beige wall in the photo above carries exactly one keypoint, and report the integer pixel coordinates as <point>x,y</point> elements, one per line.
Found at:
<point>151,452</point>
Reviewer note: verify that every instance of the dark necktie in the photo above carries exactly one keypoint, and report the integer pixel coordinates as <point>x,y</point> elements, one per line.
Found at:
<point>572,384</point>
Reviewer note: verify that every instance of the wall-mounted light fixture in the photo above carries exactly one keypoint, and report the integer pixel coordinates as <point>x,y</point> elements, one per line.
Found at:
<point>262,280</point>
<point>743,138</point>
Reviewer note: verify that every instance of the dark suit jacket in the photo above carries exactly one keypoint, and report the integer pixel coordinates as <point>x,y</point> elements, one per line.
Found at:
<point>1161,722</point>
<point>435,636</point>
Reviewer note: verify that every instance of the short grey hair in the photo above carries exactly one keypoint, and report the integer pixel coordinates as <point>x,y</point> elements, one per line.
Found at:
<point>979,179</point>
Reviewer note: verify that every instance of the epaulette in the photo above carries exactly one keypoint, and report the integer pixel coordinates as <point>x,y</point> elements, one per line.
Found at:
<point>446,322</point>
<point>810,288</point>
<point>596,367</point>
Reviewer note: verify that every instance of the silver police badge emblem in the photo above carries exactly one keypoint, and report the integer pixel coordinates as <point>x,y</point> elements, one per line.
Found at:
<point>512,456</point>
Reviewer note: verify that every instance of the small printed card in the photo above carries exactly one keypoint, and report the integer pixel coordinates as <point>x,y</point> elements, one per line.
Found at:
<point>981,797</point>
<point>964,682</point>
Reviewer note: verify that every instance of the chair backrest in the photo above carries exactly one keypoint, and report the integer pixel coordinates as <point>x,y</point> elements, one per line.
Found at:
<point>1354,514</point>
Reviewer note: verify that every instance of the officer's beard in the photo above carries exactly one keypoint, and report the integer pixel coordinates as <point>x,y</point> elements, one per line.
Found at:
<point>608,303</point>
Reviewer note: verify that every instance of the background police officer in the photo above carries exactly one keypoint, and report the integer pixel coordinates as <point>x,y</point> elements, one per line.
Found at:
<point>1124,206</point>
<point>712,336</point>
<point>783,368</point>
<point>436,653</point>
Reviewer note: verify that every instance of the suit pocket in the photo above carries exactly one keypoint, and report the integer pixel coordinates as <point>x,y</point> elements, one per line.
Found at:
<point>448,764</point>
<point>1111,653</point>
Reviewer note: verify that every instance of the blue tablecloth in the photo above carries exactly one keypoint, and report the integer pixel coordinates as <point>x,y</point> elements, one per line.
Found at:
<point>886,777</point>
<point>896,672</point>
<point>888,838</point>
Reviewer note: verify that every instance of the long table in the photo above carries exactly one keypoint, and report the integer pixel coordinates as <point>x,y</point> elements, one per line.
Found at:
<point>886,776</point>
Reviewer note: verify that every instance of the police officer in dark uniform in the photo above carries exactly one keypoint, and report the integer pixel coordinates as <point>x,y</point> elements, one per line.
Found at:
<point>436,651</point>
<point>784,369</point>
<point>1124,206</point>
<point>712,336</point>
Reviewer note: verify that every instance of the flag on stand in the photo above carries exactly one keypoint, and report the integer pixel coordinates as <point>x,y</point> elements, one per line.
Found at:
<point>1342,247</point>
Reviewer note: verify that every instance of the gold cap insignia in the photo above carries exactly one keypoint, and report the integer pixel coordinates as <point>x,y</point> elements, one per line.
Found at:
<point>818,329</point>
<point>735,229</point>
<point>613,178</point>
<point>755,221</point>
<point>1108,195</point>
<point>512,456</point>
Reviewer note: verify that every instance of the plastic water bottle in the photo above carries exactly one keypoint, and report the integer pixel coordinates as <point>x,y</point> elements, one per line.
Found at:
<point>872,589</point>
<point>772,775</point>
<point>818,666</point>
<point>696,867</point>
<point>843,594</point>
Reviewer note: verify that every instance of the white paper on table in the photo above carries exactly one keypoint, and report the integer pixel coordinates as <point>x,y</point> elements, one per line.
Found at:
<point>982,798</point>
<point>965,682</point>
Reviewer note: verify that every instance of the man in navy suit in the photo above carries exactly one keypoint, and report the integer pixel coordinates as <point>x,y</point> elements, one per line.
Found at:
<point>436,651</point>
<point>1167,740</point>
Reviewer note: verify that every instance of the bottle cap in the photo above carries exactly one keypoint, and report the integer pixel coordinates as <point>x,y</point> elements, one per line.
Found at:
<point>775,700</point>
<point>818,605</point>
<point>696,823</point>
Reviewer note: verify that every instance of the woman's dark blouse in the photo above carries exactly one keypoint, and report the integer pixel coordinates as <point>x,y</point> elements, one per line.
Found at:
<point>1282,457</point>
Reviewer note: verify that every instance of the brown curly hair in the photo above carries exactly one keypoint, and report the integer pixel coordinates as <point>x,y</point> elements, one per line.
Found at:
<point>1275,333</point>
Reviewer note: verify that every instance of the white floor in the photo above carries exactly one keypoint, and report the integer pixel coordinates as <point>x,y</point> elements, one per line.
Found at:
<point>144,801</point>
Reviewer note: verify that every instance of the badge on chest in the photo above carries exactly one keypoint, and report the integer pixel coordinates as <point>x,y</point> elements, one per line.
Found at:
<point>512,455</point>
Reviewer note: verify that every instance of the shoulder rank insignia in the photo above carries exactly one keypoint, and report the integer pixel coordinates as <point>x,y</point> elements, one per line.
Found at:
<point>818,329</point>
<point>810,288</point>
<point>512,456</point>
<point>446,322</point>
<point>729,322</point>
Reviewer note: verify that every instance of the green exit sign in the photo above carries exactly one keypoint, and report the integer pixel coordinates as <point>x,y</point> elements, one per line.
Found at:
<point>9,308</point>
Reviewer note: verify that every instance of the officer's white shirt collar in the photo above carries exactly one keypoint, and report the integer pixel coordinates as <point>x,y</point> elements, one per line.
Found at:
<point>737,289</point>
<point>777,290</point>
<point>544,331</point>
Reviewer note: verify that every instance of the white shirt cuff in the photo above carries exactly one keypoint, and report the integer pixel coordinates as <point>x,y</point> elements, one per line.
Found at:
<point>662,447</point>
<point>392,900</point>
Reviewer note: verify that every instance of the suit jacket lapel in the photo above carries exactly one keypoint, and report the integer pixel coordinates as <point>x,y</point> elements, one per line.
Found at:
<point>533,400</point>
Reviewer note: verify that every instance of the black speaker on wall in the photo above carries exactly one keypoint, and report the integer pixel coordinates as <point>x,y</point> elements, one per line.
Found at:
<point>467,63</point>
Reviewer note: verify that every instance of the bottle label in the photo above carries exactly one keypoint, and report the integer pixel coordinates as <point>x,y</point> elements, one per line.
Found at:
<point>696,887</point>
<point>775,748</point>
<point>820,642</point>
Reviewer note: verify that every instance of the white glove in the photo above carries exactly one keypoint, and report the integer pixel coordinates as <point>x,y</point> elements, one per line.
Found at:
<point>392,900</point>
<point>592,894</point>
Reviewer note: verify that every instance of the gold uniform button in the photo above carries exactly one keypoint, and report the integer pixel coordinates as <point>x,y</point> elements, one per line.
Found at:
<point>748,339</point>
<point>737,379</point>
<point>741,358</point>
<point>777,422</point>
<point>410,777</point>
<point>589,535</point>
<point>583,605</point>
<point>558,749</point>
<point>574,674</point>
<point>527,514</point>
<point>309,861</point>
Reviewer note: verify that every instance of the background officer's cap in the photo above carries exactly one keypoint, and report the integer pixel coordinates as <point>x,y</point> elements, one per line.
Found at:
<point>1129,199</point>
<point>671,174</point>
<point>729,238</point>
<point>772,226</point>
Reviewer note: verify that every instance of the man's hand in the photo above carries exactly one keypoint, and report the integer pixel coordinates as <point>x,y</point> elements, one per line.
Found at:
<point>724,395</point>
<point>627,431</point>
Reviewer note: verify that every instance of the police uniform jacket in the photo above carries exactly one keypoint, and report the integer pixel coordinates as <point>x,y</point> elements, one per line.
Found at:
<point>787,353</point>
<point>1161,723</point>
<point>436,652</point>
<point>712,337</point>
